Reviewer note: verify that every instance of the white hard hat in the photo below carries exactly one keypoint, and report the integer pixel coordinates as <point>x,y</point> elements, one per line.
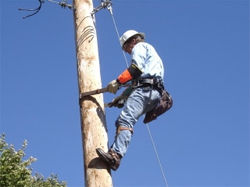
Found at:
<point>128,34</point>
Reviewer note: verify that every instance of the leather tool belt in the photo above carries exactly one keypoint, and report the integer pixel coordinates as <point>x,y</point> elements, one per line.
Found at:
<point>165,102</point>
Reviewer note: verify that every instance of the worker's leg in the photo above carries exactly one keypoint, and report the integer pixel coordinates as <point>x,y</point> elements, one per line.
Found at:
<point>139,102</point>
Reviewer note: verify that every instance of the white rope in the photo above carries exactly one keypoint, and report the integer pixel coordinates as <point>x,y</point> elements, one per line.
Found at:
<point>118,35</point>
<point>157,155</point>
<point>151,137</point>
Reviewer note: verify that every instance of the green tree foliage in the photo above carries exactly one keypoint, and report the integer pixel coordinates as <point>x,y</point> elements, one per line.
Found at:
<point>16,172</point>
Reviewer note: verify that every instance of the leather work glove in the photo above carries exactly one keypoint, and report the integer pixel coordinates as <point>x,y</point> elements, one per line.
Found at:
<point>117,102</point>
<point>113,86</point>
<point>120,100</point>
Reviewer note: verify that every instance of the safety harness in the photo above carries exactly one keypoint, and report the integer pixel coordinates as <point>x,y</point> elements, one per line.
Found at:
<point>150,83</point>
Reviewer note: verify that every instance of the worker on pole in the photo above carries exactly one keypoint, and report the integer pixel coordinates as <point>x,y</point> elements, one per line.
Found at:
<point>146,73</point>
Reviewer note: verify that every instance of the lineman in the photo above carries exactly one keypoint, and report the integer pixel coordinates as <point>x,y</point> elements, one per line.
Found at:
<point>146,73</point>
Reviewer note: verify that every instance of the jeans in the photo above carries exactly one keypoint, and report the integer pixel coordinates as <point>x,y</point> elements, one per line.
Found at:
<point>138,103</point>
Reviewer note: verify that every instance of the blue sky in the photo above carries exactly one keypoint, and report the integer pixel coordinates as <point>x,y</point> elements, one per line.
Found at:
<point>202,141</point>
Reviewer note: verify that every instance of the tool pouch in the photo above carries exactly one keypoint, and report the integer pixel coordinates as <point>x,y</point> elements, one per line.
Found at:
<point>165,103</point>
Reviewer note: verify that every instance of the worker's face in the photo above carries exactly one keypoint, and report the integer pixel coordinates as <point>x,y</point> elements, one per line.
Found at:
<point>129,45</point>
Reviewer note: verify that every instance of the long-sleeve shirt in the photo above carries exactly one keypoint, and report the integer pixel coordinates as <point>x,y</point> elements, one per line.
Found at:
<point>145,57</point>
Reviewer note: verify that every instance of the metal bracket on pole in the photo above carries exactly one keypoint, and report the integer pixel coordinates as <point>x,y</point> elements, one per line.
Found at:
<point>63,3</point>
<point>104,4</point>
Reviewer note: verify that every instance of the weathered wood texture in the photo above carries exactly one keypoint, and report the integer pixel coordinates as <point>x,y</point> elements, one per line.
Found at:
<point>93,126</point>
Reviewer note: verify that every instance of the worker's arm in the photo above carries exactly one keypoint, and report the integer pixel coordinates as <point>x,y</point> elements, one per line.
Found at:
<point>132,72</point>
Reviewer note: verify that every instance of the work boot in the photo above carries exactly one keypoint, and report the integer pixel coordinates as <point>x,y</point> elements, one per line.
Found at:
<point>111,158</point>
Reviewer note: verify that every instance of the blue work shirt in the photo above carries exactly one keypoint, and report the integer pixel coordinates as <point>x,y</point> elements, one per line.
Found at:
<point>145,57</point>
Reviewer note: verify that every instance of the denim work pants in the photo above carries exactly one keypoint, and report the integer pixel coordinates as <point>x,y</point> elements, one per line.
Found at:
<point>138,103</point>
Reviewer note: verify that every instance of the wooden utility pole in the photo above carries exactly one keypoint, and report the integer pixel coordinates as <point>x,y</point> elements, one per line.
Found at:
<point>93,126</point>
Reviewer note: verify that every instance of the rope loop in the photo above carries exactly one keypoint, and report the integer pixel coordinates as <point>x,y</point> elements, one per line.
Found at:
<point>35,10</point>
<point>63,4</point>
